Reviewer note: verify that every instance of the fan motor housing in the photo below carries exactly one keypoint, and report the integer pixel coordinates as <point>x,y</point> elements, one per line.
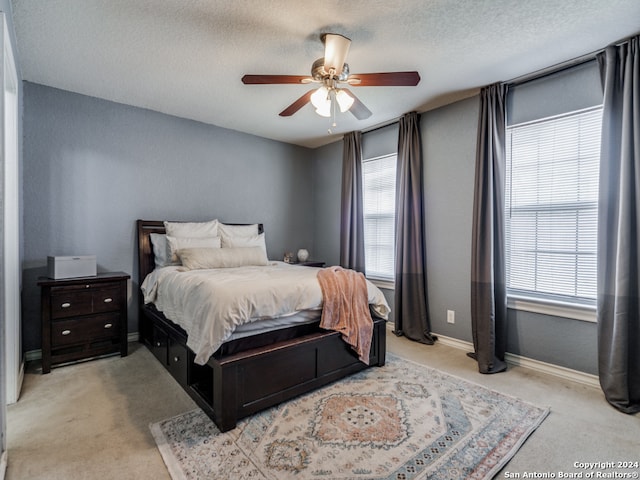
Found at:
<point>319,73</point>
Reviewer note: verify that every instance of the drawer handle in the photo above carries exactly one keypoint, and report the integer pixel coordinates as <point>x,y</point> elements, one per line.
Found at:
<point>66,332</point>
<point>108,300</point>
<point>176,359</point>
<point>65,305</point>
<point>108,325</point>
<point>158,344</point>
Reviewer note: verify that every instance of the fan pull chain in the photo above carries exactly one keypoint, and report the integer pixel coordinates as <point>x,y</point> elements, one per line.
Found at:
<point>333,112</point>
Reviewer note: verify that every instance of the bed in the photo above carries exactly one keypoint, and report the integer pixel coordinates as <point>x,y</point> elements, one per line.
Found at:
<point>252,372</point>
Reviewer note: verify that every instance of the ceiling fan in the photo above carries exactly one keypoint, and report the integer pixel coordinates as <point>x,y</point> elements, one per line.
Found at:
<point>332,73</point>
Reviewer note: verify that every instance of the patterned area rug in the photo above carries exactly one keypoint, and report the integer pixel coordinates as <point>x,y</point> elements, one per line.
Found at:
<point>403,421</point>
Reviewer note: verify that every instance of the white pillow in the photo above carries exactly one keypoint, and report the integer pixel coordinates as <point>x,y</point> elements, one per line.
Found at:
<point>192,229</point>
<point>161,253</point>
<point>238,230</point>
<point>204,258</point>
<point>178,243</point>
<point>237,242</point>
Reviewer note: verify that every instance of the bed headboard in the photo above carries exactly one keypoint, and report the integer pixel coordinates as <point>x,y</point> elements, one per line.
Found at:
<point>146,260</point>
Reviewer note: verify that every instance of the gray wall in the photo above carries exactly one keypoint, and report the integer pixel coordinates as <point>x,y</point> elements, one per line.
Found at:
<point>327,178</point>
<point>92,167</point>
<point>449,144</point>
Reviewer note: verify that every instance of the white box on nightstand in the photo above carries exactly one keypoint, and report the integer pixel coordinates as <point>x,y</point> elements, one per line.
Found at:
<point>71,267</point>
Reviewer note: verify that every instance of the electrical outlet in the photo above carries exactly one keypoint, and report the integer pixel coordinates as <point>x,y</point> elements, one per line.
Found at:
<point>451,316</point>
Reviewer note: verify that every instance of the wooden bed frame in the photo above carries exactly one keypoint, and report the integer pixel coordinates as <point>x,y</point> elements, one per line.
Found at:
<point>250,374</point>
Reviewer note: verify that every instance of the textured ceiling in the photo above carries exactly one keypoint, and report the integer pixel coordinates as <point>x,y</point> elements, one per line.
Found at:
<point>186,57</point>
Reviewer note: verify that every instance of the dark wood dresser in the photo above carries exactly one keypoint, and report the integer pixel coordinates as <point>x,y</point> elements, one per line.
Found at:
<point>83,317</point>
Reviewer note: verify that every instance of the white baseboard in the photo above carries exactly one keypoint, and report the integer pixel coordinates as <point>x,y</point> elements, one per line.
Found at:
<point>11,401</point>
<point>3,464</point>
<point>555,370</point>
<point>37,354</point>
<point>524,362</point>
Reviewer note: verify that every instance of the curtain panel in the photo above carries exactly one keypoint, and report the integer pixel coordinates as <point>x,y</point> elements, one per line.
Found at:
<point>411,306</point>
<point>352,217</point>
<point>619,226</point>
<point>488,277</point>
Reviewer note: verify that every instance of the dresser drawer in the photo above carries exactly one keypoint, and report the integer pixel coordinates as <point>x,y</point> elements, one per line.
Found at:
<point>71,303</point>
<point>85,300</point>
<point>84,329</point>
<point>107,300</point>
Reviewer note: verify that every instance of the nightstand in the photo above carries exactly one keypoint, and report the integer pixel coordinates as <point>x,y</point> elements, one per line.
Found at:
<point>83,317</point>
<point>311,263</point>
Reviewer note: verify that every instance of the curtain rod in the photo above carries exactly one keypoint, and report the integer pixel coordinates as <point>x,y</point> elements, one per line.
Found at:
<point>559,67</point>
<point>380,126</point>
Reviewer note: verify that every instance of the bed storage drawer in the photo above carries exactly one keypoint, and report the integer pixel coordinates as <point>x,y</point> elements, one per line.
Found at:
<point>159,344</point>
<point>178,362</point>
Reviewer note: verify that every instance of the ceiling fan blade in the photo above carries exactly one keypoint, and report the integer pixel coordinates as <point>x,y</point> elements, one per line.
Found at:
<point>387,79</point>
<point>358,109</point>
<point>275,79</point>
<point>336,48</point>
<point>297,105</point>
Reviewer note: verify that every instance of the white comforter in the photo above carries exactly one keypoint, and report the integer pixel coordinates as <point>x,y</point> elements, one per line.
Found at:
<point>210,304</point>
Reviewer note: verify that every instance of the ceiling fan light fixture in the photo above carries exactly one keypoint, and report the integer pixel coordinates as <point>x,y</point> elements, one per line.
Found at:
<point>336,48</point>
<point>325,110</point>
<point>320,97</point>
<point>345,101</point>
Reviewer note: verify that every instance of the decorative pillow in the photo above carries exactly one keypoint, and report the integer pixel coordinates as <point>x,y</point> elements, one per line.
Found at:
<point>203,258</point>
<point>192,229</point>
<point>178,243</point>
<point>161,250</point>
<point>252,241</point>
<point>238,230</point>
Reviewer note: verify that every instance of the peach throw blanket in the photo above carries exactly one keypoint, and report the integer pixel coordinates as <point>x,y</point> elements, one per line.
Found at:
<point>345,308</point>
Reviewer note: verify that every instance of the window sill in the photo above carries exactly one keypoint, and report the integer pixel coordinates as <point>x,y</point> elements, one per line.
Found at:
<point>386,284</point>
<point>556,309</point>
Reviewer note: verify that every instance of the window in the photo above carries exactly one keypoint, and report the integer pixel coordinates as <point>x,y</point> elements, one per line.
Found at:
<point>379,205</point>
<point>552,207</point>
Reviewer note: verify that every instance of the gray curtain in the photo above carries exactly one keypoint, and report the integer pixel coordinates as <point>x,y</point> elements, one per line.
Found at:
<point>488,279</point>
<point>352,219</point>
<point>618,228</point>
<point>411,308</point>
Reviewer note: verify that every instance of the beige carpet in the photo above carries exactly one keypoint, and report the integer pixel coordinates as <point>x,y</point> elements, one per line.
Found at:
<point>401,421</point>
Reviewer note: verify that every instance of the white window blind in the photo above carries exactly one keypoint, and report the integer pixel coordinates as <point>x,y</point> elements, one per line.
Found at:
<point>552,207</point>
<point>379,205</point>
